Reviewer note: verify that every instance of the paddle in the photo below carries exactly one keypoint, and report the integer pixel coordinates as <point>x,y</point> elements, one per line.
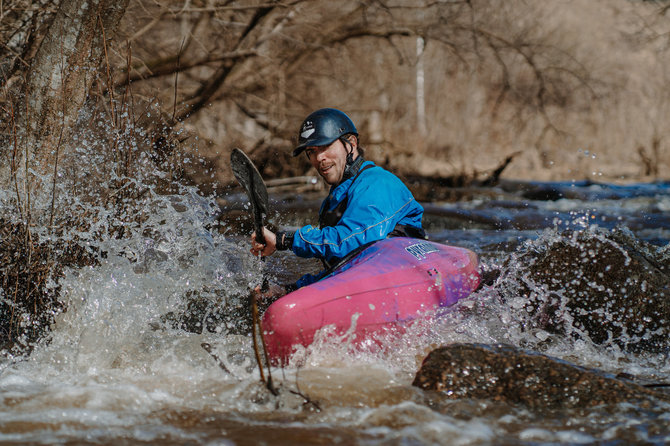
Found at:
<point>252,182</point>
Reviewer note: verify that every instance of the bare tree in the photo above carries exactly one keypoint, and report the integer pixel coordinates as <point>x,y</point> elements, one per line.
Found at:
<point>56,79</point>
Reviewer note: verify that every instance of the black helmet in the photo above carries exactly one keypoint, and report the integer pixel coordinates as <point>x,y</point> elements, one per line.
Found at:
<point>323,127</point>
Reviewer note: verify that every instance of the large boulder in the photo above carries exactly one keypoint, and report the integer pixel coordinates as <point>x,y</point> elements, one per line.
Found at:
<point>606,285</point>
<point>513,376</point>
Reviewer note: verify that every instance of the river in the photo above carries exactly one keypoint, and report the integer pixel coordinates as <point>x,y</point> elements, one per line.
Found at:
<point>116,370</point>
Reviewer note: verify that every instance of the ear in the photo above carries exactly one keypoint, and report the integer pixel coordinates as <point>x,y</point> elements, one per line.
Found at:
<point>353,140</point>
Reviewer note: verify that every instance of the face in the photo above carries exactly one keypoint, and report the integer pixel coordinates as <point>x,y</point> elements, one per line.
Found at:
<point>329,161</point>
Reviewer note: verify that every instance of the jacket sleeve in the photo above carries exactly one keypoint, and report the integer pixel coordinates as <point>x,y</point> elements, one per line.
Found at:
<point>374,208</point>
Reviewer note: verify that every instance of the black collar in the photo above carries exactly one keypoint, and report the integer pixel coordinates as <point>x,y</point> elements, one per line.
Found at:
<point>352,168</point>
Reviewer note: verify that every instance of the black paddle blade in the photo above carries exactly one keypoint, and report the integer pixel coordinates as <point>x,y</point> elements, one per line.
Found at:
<point>252,182</point>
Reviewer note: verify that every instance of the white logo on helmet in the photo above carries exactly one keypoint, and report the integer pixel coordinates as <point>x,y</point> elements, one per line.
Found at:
<point>307,129</point>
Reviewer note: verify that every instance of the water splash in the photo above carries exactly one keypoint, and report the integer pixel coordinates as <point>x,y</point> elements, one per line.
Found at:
<point>125,361</point>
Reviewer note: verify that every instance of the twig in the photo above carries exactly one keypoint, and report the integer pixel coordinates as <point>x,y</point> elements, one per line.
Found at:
<point>254,319</point>
<point>113,111</point>
<point>146,28</point>
<point>60,135</point>
<point>256,324</point>
<point>26,187</point>
<point>13,167</point>
<point>109,80</point>
<point>129,107</point>
<point>271,387</point>
<point>176,81</point>
<point>307,399</point>
<point>208,348</point>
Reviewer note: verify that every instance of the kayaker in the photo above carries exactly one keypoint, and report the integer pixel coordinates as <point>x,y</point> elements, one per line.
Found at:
<point>366,203</point>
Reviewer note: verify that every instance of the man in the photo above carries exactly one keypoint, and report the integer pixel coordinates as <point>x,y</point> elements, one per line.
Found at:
<point>366,203</point>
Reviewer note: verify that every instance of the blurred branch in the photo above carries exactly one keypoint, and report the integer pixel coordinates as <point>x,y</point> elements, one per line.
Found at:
<point>170,65</point>
<point>356,33</point>
<point>231,8</point>
<point>260,121</point>
<point>211,85</point>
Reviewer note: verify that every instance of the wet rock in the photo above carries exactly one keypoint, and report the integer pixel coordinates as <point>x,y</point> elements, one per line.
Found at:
<point>512,376</point>
<point>210,310</point>
<point>609,286</point>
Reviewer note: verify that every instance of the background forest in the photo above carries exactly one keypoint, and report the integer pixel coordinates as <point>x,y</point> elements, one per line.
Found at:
<point>569,89</point>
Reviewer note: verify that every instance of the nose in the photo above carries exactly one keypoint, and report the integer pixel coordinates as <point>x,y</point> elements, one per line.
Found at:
<point>320,154</point>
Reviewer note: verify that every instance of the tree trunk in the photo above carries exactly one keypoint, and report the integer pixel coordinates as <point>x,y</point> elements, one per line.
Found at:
<point>61,74</point>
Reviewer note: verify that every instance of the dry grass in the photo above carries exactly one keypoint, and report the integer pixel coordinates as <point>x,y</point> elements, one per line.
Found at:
<point>29,273</point>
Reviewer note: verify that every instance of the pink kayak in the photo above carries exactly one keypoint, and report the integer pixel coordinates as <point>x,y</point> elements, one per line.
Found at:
<point>393,281</point>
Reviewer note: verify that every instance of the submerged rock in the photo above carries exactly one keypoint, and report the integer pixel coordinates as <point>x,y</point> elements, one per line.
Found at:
<point>211,310</point>
<point>607,285</point>
<point>509,375</point>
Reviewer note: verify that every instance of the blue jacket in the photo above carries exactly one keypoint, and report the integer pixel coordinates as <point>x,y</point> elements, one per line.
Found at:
<point>377,201</point>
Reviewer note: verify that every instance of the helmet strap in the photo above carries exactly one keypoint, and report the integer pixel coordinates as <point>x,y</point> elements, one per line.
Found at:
<point>350,158</point>
<point>352,165</point>
<point>349,148</point>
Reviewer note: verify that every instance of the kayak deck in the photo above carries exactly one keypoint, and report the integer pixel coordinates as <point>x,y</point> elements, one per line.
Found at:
<point>393,281</point>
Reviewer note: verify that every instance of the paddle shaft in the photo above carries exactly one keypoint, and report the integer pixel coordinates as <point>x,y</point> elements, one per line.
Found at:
<point>258,215</point>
